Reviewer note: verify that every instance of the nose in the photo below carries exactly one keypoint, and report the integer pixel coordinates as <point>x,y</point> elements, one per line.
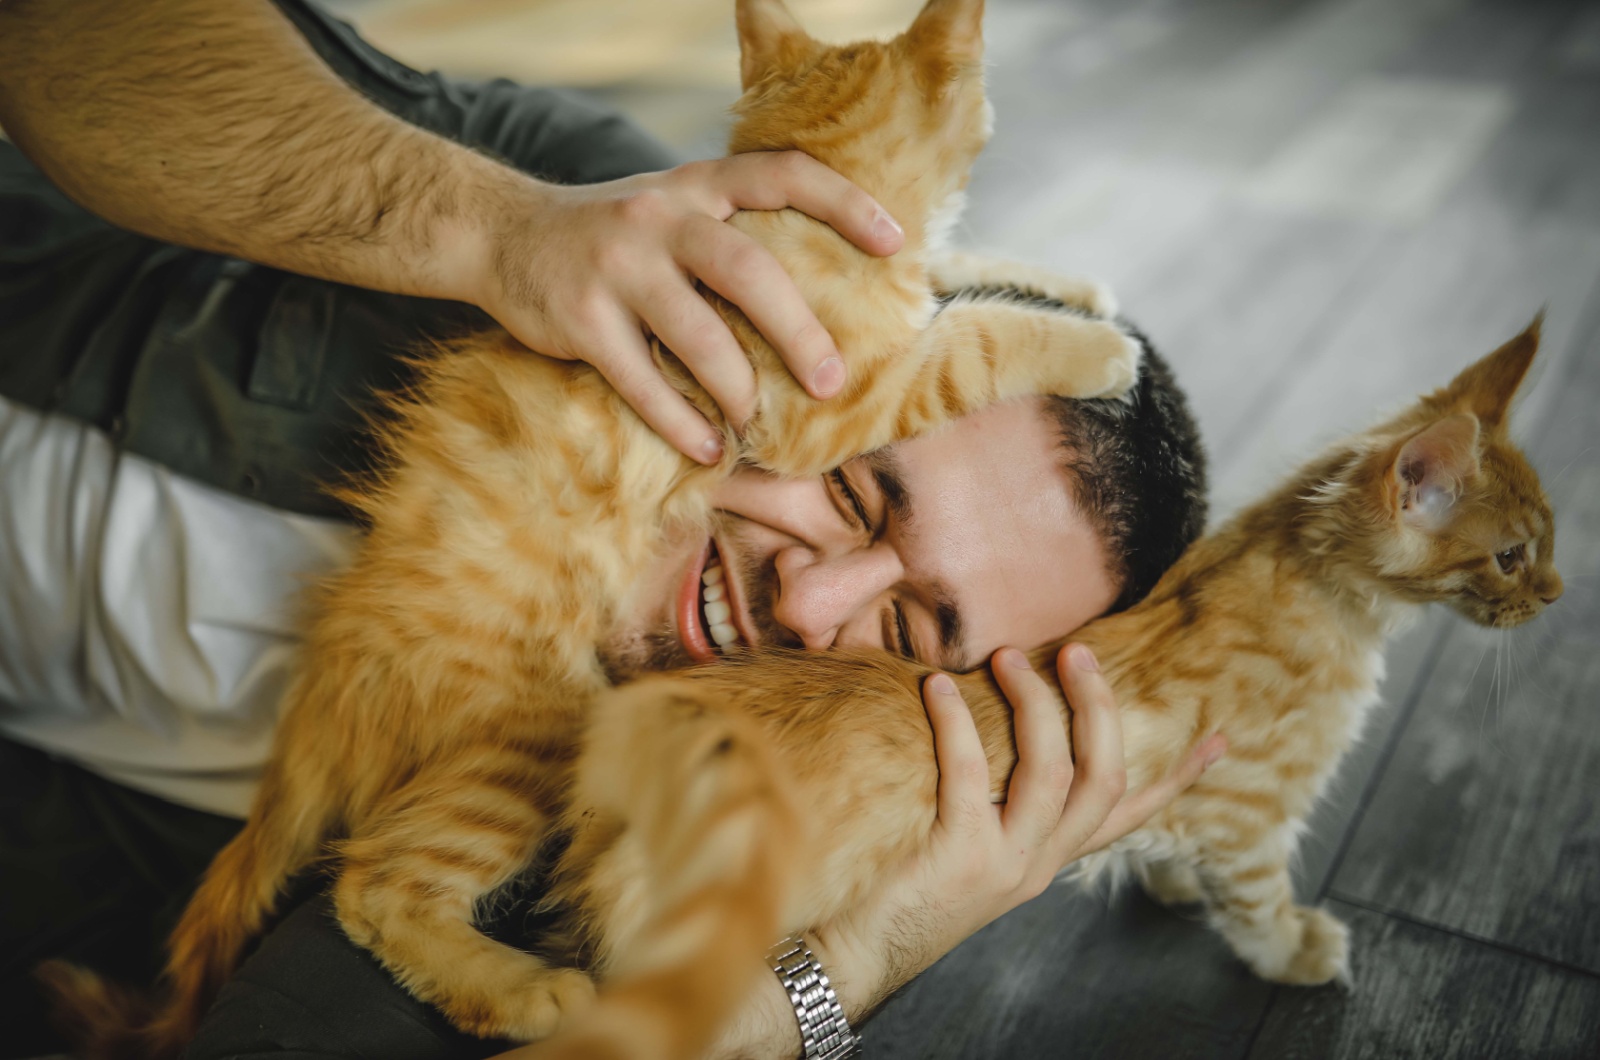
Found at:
<point>1552,592</point>
<point>822,597</point>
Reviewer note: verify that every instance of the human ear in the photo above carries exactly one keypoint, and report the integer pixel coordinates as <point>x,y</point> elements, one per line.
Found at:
<point>1431,471</point>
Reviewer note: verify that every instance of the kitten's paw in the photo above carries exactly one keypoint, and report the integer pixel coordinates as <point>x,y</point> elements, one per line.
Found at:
<point>527,1011</point>
<point>1090,296</point>
<point>1100,299</point>
<point>1172,883</point>
<point>553,999</point>
<point>1114,357</point>
<point>1323,953</point>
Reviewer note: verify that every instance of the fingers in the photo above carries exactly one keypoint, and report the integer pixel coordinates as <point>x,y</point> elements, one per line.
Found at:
<point>1043,776</point>
<point>963,769</point>
<point>746,274</point>
<point>773,181</point>
<point>1132,812</point>
<point>676,313</point>
<point>611,259</point>
<point>630,370</point>
<point>1100,779</point>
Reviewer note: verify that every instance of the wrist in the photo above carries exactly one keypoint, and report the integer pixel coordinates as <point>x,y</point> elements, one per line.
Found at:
<point>825,1031</point>
<point>861,977</point>
<point>487,200</point>
<point>495,208</point>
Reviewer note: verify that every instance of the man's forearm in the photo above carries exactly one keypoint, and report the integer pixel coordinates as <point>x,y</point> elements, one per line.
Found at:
<point>213,124</point>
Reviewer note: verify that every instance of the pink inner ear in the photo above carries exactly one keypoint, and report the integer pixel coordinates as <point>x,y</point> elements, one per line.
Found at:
<point>1432,469</point>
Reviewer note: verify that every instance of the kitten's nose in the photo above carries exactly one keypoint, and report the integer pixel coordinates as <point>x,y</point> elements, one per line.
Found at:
<point>1551,592</point>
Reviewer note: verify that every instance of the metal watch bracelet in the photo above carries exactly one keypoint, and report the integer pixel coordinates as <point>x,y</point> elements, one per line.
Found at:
<point>824,1031</point>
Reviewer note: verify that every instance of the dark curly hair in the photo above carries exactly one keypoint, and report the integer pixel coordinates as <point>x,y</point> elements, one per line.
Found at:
<point>1139,472</point>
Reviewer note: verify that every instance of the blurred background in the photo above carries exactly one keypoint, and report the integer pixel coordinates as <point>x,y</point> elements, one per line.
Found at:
<point>1317,208</point>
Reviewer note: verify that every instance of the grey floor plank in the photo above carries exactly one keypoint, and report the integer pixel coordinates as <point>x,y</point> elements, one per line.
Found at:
<point>1499,40</point>
<point>1426,995</point>
<point>1071,974</point>
<point>1438,300</point>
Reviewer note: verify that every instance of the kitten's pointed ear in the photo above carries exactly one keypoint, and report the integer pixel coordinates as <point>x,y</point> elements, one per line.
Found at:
<point>1488,386</point>
<point>769,39</point>
<point>1432,469</point>
<point>948,31</point>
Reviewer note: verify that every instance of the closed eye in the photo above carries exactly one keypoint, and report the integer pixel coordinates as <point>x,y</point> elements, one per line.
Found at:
<point>897,633</point>
<point>902,632</point>
<point>850,497</point>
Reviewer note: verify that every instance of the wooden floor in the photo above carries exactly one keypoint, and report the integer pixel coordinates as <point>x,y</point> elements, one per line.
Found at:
<point>1317,209</point>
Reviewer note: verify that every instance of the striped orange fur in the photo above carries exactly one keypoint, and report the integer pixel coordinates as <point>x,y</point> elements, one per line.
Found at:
<point>1270,630</point>
<point>448,674</point>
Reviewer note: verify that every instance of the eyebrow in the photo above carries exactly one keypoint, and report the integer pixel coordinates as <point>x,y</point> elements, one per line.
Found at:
<point>885,470</point>
<point>886,473</point>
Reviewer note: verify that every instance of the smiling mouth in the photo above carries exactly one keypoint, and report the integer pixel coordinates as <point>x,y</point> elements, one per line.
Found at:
<point>716,613</point>
<point>705,610</point>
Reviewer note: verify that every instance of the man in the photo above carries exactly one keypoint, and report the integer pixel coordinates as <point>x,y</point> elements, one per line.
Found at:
<point>214,125</point>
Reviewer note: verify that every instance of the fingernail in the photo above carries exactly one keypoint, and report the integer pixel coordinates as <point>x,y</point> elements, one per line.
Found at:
<point>828,378</point>
<point>1214,754</point>
<point>1083,659</point>
<point>885,227</point>
<point>712,449</point>
<point>1015,659</point>
<point>942,684</point>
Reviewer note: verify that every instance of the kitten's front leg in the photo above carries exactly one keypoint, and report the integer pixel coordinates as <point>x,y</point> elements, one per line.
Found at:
<point>1251,902</point>
<point>413,877</point>
<point>953,271</point>
<point>1171,882</point>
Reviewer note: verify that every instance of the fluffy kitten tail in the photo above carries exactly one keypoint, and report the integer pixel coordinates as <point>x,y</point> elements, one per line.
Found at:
<point>239,893</point>
<point>102,1019</point>
<point>710,837</point>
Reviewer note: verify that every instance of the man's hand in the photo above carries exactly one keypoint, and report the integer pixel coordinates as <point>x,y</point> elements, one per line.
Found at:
<point>583,272</point>
<point>984,860</point>
<point>212,123</point>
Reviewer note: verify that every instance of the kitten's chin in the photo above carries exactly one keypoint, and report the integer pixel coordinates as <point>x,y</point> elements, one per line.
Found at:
<point>1506,616</point>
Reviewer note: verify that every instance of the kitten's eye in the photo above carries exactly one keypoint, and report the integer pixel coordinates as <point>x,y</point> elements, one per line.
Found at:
<point>1511,558</point>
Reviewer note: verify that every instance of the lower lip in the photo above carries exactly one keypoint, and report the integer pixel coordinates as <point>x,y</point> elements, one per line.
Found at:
<point>690,629</point>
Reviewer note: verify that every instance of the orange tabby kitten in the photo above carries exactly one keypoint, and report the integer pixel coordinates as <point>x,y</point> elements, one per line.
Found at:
<point>448,673</point>
<point>719,809</point>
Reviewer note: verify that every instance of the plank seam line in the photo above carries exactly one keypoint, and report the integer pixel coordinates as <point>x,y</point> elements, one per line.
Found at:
<point>1261,1022</point>
<point>1465,936</point>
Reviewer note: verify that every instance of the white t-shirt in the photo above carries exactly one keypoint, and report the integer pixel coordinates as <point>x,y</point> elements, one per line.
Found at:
<point>147,623</point>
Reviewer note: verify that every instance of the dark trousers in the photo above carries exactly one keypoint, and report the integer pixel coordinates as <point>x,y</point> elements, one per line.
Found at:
<point>91,871</point>
<point>241,377</point>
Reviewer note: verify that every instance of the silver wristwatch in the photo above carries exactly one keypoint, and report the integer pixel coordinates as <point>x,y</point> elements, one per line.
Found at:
<point>824,1031</point>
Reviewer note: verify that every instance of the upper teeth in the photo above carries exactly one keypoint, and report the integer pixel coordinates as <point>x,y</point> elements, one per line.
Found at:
<point>716,608</point>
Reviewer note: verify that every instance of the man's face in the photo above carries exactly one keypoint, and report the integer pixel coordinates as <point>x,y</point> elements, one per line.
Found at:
<point>942,548</point>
